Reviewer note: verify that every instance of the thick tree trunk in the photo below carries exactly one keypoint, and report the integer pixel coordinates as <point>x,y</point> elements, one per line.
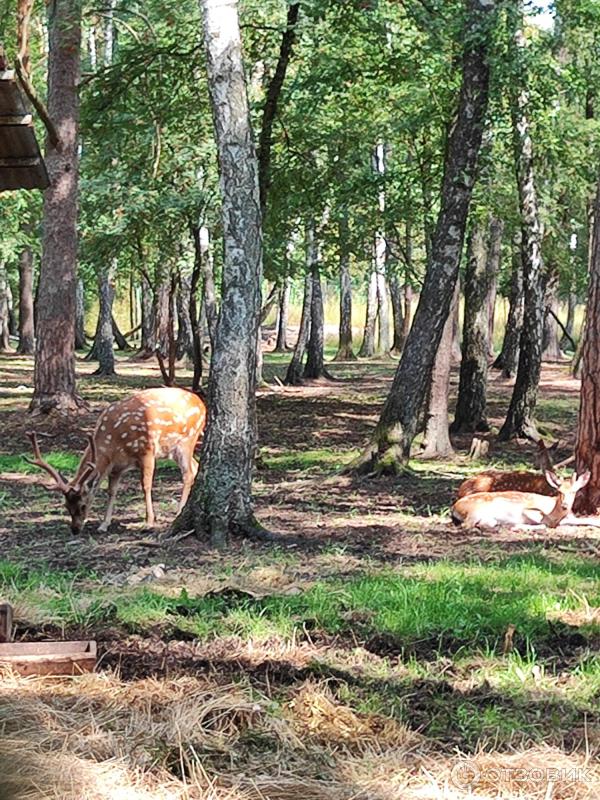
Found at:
<point>315,365</point>
<point>390,447</point>
<point>437,442</point>
<point>283,316</point>
<point>148,341</point>
<point>221,500</point>
<point>588,434</point>
<point>566,342</point>
<point>185,334</point>
<point>367,348</point>
<point>54,373</point>
<point>496,230</point>
<point>509,354</point>
<point>471,405</point>
<point>26,323</point>
<point>104,339</point>
<point>520,415</point>
<point>4,315</point>
<point>161,315</point>
<point>345,351</point>
<point>552,333</point>
<point>294,372</point>
<point>396,296</point>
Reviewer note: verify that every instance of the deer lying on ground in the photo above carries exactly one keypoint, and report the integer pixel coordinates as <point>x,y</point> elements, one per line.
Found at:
<point>490,509</point>
<point>134,432</point>
<point>494,480</point>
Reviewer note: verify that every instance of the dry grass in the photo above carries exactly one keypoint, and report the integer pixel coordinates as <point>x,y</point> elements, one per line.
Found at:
<point>97,737</point>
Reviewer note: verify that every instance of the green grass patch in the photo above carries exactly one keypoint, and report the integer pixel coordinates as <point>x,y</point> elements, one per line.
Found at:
<point>65,462</point>
<point>308,460</point>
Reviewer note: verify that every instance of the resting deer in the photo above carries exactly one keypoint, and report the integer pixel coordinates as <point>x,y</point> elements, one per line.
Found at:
<point>494,480</point>
<point>134,432</point>
<point>489,509</point>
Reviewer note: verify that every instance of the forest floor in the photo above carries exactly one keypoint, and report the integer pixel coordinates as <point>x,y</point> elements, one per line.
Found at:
<point>370,656</point>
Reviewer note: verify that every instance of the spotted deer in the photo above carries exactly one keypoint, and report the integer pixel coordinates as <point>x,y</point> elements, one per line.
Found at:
<point>134,432</point>
<point>495,480</point>
<point>515,509</point>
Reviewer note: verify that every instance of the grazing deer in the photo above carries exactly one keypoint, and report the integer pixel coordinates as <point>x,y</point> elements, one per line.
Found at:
<point>489,509</point>
<point>495,480</point>
<point>134,432</point>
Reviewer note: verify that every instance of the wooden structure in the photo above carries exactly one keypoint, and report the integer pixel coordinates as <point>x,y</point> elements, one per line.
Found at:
<point>21,165</point>
<point>42,658</point>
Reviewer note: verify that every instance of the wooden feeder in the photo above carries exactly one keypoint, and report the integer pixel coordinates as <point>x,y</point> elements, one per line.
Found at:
<point>43,658</point>
<point>21,165</point>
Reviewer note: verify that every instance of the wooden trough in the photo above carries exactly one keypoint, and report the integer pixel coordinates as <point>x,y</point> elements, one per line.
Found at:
<point>43,658</point>
<point>21,165</point>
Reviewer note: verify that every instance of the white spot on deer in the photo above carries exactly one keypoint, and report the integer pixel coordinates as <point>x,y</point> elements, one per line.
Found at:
<point>124,435</point>
<point>102,427</point>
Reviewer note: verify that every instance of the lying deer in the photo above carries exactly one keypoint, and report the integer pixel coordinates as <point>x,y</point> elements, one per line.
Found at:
<point>134,432</point>
<point>494,480</point>
<point>489,509</point>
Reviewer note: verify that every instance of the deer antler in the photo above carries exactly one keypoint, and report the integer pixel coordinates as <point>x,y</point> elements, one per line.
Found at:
<point>92,445</point>
<point>38,461</point>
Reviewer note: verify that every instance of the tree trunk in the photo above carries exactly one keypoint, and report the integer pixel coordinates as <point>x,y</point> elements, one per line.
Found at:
<point>552,333</point>
<point>398,314</point>
<point>209,295</point>
<point>519,419</point>
<point>80,338</point>
<point>161,315</point>
<point>471,404</point>
<point>54,372</point>
<point>193,309</point>
<point>185,335</point>
<point>384,344</point>
<point>148,341</point>
<point>120,340</point>
<point>4,316</point>
<point>509,354</point>
<point>315,366</point>
<point>26,323</point>
<point>221,500</point>
<point>437,442</point>
<point>390,447</point>
<point>104,339</point>
<point>283,316</point>
<point>408,298</point>
<point>588,433</point>
<point>565,342</point>
<point>345,351</point>
<point>367,348</point>
<point>496,231</point>
<point>12,320</point>
<point>294,372</point>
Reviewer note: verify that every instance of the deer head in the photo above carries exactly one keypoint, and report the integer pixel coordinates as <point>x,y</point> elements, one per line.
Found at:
<point>79,491</point>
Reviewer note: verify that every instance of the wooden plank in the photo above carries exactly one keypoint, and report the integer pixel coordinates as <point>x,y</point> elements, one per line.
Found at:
<point>49,658</point>
<point>6,622</point>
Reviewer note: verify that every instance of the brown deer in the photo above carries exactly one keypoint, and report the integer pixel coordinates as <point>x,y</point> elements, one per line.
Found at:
<point>134,432</point>
<point>490,509</point>
<point>494,480</point>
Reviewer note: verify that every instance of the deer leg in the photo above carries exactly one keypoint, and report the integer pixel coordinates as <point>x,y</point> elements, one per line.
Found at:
<point>189,469</point>
<point>147,466</point>
<point>114,479</point>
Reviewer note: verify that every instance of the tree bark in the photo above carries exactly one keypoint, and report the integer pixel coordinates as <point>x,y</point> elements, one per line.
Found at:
<point>221,499</point>
<point>80,338</point>
<point>4,315</point>
<point>294,372</point>
<point>496,230</point>
<point>437,442</point>
<point>471,404</point>
<point>552,333</point>
<point>283,316</point>
<point>390,447</point>
<point>26,322</point>
<point>209,294</point>
<point>54,372</point>
<point>509,354</point>
<point>520,415</point>
<point>345,351</point>
<point>588,432</point>
<point>185,335</point>
<point>315,364</point>
<point>104,339</point>
<point>367,348</point>
<point>396,296</point>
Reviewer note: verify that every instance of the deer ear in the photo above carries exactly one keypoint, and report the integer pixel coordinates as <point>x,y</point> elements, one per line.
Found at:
<point>553,479</point>
<point>582,480</point>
